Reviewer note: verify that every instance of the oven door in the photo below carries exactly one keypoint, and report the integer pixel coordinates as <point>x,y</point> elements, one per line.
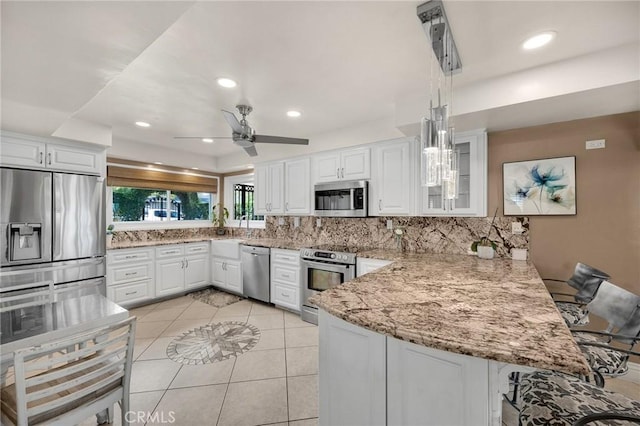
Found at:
<point>320,276</point>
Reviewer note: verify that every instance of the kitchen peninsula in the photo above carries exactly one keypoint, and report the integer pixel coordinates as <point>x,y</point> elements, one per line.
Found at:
<point>431,339</point>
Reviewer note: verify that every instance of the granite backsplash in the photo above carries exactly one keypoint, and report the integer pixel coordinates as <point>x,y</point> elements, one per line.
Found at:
<point>419,234</point>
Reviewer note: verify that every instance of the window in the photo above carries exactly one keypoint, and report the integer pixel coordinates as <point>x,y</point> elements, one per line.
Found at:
<point>243,202</point>
<point>153,205</point>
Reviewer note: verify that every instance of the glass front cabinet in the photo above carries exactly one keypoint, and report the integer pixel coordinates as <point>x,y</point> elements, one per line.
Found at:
<point>471,200</point>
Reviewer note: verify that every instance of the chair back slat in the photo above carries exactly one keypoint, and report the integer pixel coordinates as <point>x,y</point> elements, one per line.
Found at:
<point>70,383</point>
<point>44,364</point>
<point>614,304</point>
<point>100,366</point>
<point>108,382</point>
<point>57,374</point>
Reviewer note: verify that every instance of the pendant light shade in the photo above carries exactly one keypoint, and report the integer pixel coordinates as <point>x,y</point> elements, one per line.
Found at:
<point>439,162</point>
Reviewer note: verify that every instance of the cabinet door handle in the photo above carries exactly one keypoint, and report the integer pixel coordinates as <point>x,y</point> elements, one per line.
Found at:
<point>129,294</point>
<point>49,156</point>
<point>338,173</point>
<point>182,263</point>
<point>379,205</point>
<point>286,206</point>
<point>284,295</point>
<point>343,173</point>
<point>41,159</point>
<point>187,263</point>
<point>128,274</point>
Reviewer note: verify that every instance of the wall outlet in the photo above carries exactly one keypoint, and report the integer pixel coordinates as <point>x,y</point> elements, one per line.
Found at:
<point>390,224</point>
<point>296,222</point>
<point>281,221</point>
<point>595,144</point>
<point>318,222</point>
<point>516,228</point>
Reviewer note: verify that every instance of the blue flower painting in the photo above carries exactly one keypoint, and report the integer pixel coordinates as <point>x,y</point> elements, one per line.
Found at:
<point>540,187</point>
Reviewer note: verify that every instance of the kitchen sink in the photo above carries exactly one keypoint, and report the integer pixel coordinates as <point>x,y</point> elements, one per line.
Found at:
<point>229,248</point>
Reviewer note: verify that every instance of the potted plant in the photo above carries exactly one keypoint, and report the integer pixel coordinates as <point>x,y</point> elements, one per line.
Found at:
<point>484,246</point>
<point>219,219</point>
<point>109,234</point>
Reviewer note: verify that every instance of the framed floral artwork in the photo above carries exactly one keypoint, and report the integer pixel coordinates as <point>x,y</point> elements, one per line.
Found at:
<point>540,187</point>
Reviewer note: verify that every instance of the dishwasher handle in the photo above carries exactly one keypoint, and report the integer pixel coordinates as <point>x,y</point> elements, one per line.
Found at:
<point>255,250</point>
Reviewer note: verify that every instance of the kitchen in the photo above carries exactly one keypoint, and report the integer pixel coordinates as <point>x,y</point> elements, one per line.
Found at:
<point>164,71</point>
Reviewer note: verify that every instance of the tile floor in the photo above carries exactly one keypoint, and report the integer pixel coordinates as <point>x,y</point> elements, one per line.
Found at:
<point>275,383</point>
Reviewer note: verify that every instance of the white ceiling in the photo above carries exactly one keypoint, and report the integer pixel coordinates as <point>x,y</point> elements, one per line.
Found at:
<point>340,63</point>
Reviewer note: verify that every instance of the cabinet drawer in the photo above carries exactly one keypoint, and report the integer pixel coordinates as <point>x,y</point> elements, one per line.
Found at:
<point>169,251</point>
<point>284,295</point>
<point>135,272</point>
<point>125,256</point>
<point>289,257</point>
<point>197,248</point>
<point>132,292</point>
<point>287,275</point>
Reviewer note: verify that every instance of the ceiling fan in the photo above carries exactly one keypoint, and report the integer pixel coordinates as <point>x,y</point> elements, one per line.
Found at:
<point>244,135</point>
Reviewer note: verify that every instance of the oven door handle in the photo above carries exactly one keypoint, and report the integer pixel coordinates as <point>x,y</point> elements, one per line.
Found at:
<point>333,267</point>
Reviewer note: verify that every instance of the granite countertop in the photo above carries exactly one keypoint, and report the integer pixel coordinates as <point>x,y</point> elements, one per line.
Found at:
<point>496,309</point>
<point>258,242</point>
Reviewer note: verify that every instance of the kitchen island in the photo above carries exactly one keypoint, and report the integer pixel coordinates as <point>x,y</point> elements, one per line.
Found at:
<point>431,339</point>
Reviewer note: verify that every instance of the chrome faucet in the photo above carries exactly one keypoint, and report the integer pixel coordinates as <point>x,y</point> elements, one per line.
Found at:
<point>240,225</point>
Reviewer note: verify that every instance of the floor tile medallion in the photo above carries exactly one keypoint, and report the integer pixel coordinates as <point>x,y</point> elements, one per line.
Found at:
<point>213,342</point>
<point>214,297</point>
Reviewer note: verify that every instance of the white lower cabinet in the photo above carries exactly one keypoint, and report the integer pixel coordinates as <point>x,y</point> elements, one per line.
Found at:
<point>352,374</point>
<point>181,267</point>
<point>431,387</point>
<point>367,378</point>
<point>364,265</point>
<point>130,276</point>
<point>227,274</point>
<point>285,279</point>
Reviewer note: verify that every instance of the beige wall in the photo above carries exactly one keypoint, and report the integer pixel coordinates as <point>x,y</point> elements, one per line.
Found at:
<point>606,231</point>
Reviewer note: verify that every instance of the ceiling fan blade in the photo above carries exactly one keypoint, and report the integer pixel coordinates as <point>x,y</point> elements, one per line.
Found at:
<point>251,150</point>
<point>280,139</point>
<point>233,122</point>
<point>202,137</point>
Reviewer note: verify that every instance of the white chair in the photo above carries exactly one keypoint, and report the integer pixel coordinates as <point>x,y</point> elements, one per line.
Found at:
<point>67,388</point>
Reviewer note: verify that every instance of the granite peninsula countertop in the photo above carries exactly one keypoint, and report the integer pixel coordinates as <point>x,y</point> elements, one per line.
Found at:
<point>496,309</point>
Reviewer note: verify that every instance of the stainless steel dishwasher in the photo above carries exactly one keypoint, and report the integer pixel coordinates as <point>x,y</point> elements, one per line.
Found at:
<point>255,273</point>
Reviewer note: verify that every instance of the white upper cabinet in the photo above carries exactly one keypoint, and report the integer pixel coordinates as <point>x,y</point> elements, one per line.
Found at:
<point>38,153</point>
<point>392,186</point>
<point>349,164</point>
<point>283,188</point>
<point>472,188</point>
<point>297,187</point>
<point>269,189</point>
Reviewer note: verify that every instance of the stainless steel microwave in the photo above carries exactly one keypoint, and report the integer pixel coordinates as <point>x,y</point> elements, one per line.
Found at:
<point>341,199</point>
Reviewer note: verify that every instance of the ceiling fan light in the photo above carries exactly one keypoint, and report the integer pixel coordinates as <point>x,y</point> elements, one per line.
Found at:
<point>293,114</point>
<point>207,140</point>
<point>226,82</point>
<point>538,40</point>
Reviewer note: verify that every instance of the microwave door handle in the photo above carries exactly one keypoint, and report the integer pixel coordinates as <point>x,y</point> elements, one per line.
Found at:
<point>351,199</point>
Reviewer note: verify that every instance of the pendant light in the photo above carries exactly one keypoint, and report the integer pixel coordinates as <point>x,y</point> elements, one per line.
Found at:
<point>439,158</point>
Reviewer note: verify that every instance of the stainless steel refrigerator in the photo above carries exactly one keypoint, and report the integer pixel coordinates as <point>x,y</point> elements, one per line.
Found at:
<point>52,230</point>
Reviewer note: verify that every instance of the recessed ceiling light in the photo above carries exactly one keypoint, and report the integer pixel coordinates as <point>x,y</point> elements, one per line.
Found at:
<point>538,40</point>
<point>293,113</point>
<point>142,124</point>
<point>157,162</point>
<point>227,82</point>
<point>195,168</point>
<point>250,166</point>
<point>207,140</point>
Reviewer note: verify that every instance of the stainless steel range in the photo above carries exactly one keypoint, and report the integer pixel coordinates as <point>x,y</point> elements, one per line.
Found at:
<point>323,267</point>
